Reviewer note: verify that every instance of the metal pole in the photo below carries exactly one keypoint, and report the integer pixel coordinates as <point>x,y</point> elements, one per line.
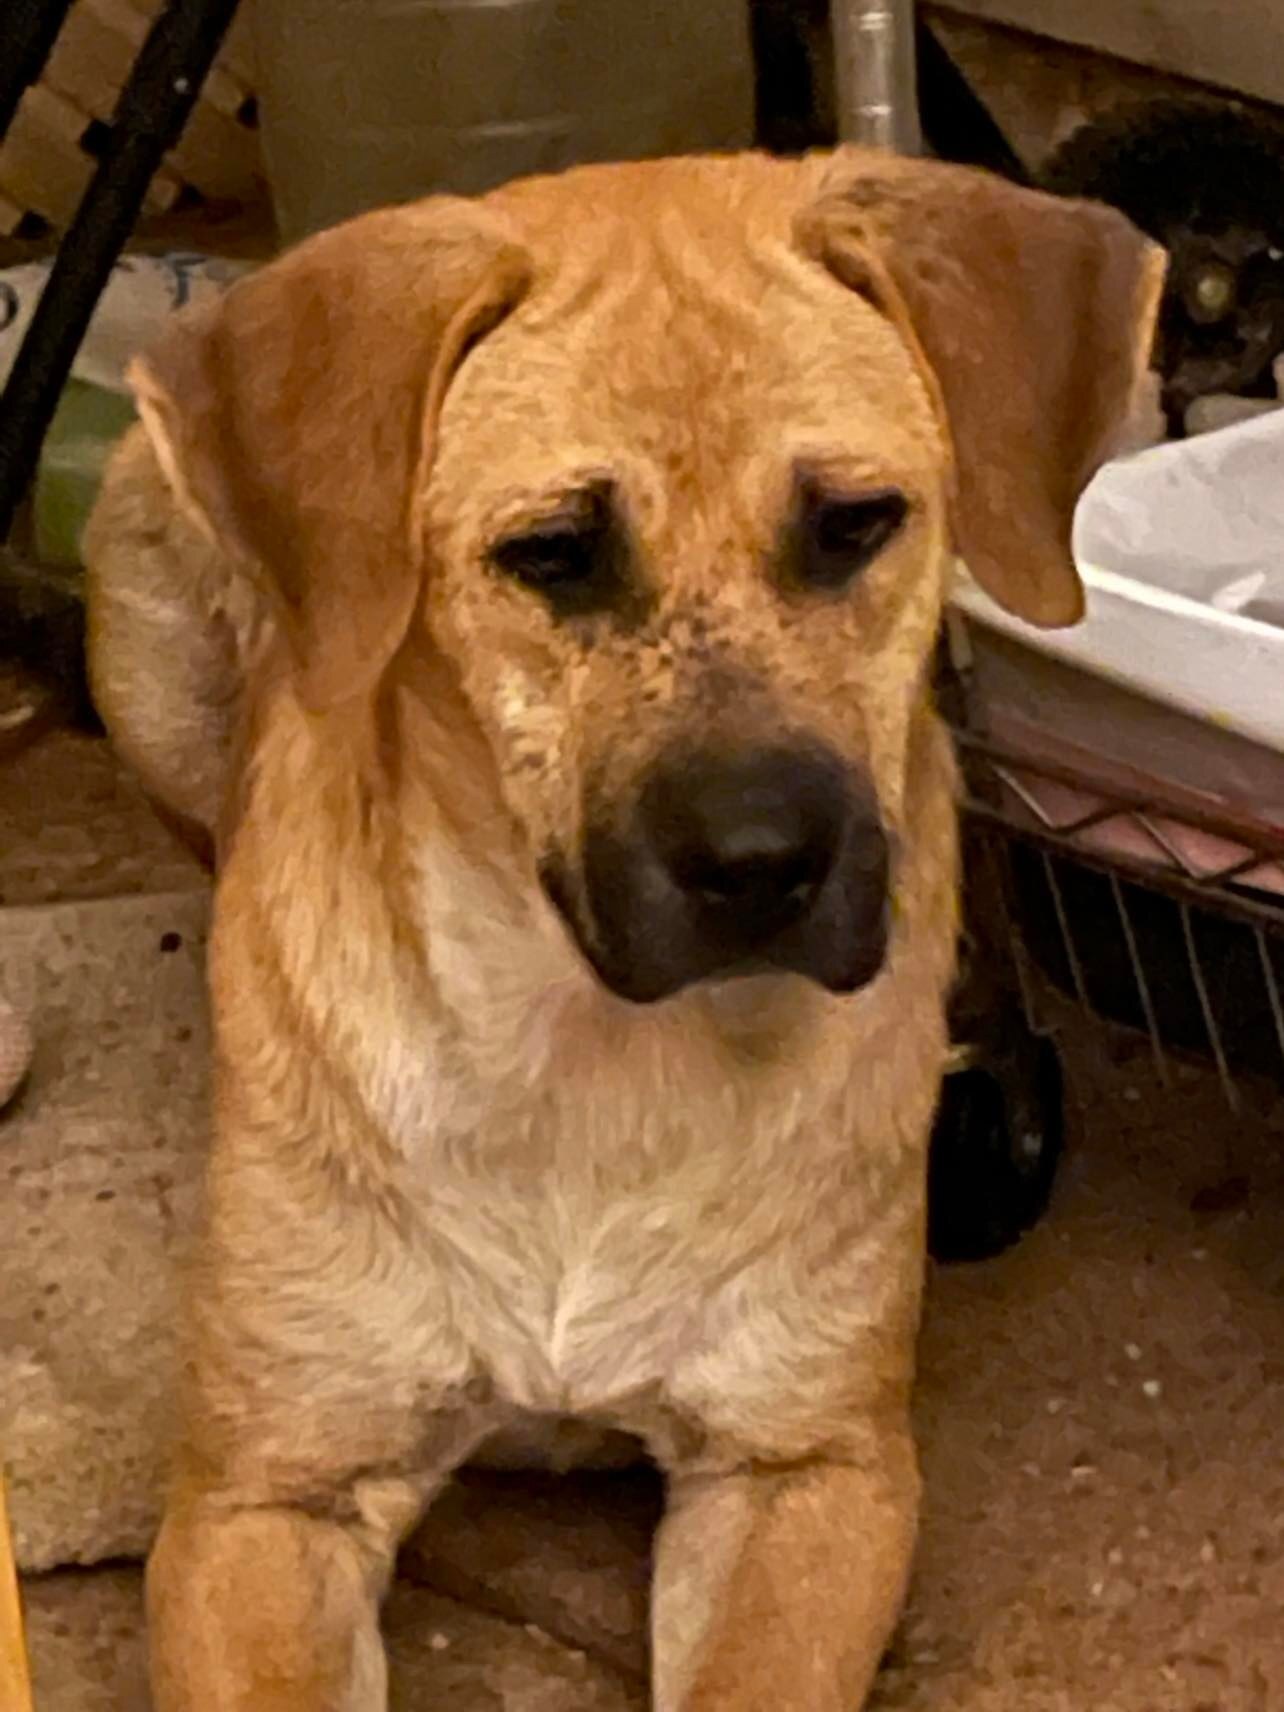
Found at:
<point>875,80</point>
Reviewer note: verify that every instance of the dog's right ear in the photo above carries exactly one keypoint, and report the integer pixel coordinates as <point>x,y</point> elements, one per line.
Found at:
<point>1033,320</point>
<point>294,419</point>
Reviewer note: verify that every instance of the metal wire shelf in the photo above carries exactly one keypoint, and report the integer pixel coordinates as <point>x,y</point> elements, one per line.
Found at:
<point>1105,903</point>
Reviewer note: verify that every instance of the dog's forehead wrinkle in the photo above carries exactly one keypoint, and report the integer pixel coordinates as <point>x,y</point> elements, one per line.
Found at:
<point>605,283</point>
<point>659,231</point>
<point>687,365</point>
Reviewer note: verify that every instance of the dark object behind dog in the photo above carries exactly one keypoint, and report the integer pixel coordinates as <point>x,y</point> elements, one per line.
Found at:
<point>42,631</point>
<point>1206,180</point>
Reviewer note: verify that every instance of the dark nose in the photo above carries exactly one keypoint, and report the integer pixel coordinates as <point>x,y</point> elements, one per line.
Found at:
<point>752,838</point>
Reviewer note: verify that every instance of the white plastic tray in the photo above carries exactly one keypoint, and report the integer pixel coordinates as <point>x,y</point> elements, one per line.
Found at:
<point>1181,550</point>
<point>1216,666</point>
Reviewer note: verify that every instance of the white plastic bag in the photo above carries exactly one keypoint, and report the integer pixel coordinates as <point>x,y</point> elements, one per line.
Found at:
<point>1202,518</point>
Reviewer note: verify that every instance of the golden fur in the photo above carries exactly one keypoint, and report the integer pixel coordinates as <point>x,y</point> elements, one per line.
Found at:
<point>458,1190</point>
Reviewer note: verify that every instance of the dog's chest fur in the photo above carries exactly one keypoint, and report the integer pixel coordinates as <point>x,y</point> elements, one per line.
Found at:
<point>596,1207</point>
<point>614,1234</point>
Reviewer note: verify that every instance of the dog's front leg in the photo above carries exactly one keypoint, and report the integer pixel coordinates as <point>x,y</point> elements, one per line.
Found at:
<point>779,1586</point>
<point>267,1609</point>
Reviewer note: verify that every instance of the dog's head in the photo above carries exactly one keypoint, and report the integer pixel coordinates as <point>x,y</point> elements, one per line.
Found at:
<point>667,463</point>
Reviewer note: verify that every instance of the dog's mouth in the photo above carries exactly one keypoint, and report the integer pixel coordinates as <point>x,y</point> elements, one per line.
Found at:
<point>639,984</point>
<point>731,870</point>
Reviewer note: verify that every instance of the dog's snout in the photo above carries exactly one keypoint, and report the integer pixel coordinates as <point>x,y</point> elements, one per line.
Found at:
<point>735,863</point>
<point>754,837</point>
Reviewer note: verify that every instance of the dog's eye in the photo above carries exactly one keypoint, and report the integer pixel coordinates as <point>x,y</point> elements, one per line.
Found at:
<point>550,558</point>
<point>842,536</point>
<point>576,558</point>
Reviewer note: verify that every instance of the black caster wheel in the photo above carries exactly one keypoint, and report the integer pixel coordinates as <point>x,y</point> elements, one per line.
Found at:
<point>996,1145</point>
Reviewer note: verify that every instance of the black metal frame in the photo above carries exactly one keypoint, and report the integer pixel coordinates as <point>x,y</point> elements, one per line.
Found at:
<point>159,94</point>
<point>1202,906</point>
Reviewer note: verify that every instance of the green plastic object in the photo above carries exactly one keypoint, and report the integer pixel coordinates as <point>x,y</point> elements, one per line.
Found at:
<point>86,426</point>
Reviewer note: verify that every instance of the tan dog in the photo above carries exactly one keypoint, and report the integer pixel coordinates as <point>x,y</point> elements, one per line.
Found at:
<point>535,597</point>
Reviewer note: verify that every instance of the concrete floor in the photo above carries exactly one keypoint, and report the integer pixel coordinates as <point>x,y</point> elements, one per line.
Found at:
<point>1101,1415</point>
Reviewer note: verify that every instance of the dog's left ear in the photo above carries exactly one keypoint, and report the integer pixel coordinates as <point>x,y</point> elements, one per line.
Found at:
<point>295,419</point>
<point>1033,318</point>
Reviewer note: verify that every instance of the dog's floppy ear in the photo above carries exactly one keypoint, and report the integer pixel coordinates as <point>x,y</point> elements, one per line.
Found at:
<point>1034,318</point>
<point>294,418</point>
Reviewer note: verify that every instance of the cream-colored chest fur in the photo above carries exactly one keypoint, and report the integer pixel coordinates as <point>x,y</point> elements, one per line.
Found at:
<point>576,1205</point>
<point>627,1233</point>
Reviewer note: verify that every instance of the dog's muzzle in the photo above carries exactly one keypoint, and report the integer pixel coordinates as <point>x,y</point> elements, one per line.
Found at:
<point>734,864</point>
